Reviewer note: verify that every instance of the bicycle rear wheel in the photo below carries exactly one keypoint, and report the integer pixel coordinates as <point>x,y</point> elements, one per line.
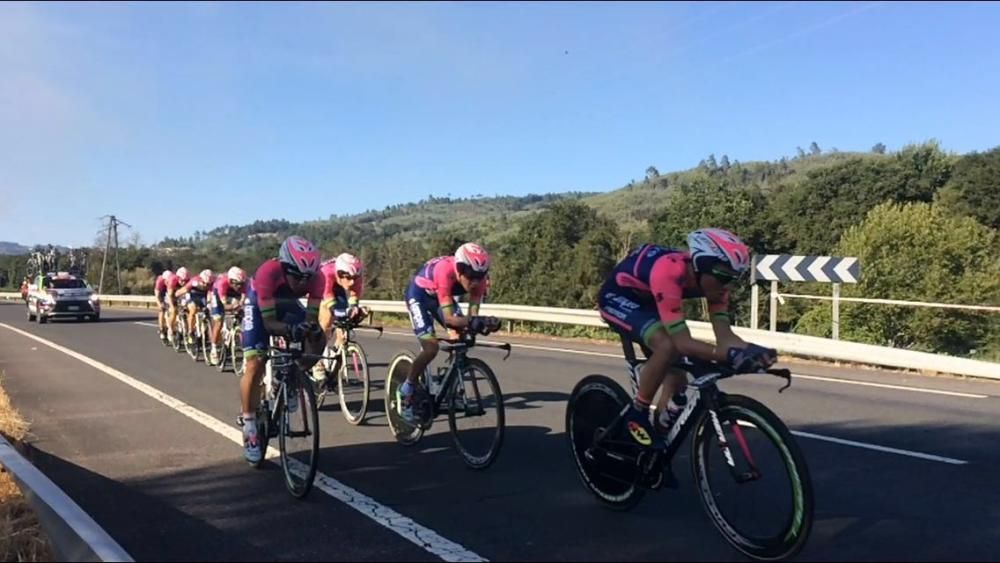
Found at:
<point>298,435</point>
<point>476,414</point>
<point>353,384</point>
<point>595,404</point>
<point>764,506</point>
<point>404,432</point>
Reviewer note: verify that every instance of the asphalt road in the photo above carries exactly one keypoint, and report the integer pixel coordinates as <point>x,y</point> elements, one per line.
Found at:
<point>903,466</point>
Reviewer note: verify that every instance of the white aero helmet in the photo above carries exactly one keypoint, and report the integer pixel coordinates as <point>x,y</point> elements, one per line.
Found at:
<point>183,274</point>
<point>470,257</point>
<point>709,246</point>
<point>166,274</point>
<point>349,264</point>
<point>236,275</point>
<point>206,275</point>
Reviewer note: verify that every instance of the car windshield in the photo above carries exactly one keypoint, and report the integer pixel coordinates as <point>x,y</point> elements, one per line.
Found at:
<point>67,284</point>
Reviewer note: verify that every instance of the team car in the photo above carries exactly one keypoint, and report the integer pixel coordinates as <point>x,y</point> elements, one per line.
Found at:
<point>61,295</point>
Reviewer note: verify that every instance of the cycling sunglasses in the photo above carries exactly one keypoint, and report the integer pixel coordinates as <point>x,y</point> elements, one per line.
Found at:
<point>297,274</point>
<point>727,277</point>
<point>344,275</point>
<point>468,272</point>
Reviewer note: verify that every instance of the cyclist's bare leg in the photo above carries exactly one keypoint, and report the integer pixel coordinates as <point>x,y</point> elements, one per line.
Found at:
<point>192,312</point>
<point>250,384</point>
<point>428,351</point>
<point>217,329</point>
<point>654,372</point>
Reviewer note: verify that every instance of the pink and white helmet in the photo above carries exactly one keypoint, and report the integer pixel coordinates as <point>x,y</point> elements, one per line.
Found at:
<point>348,263</point>
<point>236,275</point>
<point>709,245</point>
<point>473,256</point>
<point>166,274</point>
<point>299,255</point>
<point>206,276</point>
<point>182,274</point>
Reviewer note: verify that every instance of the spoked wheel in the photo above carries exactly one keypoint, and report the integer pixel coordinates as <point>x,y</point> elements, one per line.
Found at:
<point>594,405</point>
<point>404,432</point>
<point>204,341</point>
<point>476,414</point>
<point>298,435</point>
<point>764,505</point>
<point>353,384</point>
<point>236,352</point>
<point>224,350</point>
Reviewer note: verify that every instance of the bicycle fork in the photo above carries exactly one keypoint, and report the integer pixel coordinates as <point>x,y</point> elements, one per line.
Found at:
<point>740,477</point>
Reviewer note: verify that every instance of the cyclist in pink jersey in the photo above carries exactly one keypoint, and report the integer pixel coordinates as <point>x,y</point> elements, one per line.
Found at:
<point>174,284</point>
<point>226,297</point>
<point>344,284</point>
<point>431,296</point>
<point>272,308</point>
<point>642,300</point>
<point>160,291</point>
<point>194,296</point>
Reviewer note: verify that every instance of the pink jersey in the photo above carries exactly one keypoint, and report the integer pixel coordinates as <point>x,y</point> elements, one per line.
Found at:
<point>173,283</point>
<point>225,289</point>
<point>197,285</point>
<point>161,285</point>
<point>269,285</point>
<point>662,273</point>
<point>439,277</point>
<point>331,286</point>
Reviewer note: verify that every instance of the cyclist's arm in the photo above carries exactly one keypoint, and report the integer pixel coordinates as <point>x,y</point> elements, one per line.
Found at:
<point>666,281</point>
<point>722,325</point>
<point>451,320</point>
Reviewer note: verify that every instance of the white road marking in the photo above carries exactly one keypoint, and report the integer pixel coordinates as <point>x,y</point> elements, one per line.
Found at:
<point>426,538</point>
<point>888,386</point>
<point>876,447</point>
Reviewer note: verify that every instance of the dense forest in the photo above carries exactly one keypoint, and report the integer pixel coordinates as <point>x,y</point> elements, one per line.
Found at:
<point>924,223</point>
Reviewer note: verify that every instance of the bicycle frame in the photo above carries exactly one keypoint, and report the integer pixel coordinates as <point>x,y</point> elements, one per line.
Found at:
<point>705,396</point>
<point>457,351</point>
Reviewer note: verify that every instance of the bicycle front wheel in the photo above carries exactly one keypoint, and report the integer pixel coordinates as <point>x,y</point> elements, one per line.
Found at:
<point>353,384</point>
<point>752,478</point>
<point>204,341</point>
<point>476,414</point>
<point>298,435</point>
<point>236,352</point>
<point>224,351</point>
<point>404,432</point>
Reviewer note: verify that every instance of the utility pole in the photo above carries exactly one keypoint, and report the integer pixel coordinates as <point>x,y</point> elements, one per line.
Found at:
<point>112,234</point>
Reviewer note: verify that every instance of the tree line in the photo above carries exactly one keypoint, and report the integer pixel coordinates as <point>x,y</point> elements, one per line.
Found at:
<point>923,222</point>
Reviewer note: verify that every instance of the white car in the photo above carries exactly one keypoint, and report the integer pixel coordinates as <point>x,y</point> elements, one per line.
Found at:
<point>62,295</point>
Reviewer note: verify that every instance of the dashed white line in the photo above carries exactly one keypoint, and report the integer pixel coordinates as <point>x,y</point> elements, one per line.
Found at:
<point>424,537</point>
<point>867,446</point>
<point>889,386</point>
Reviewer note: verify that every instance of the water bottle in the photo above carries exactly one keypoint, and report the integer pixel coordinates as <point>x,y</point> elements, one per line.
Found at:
<point>436,379</point>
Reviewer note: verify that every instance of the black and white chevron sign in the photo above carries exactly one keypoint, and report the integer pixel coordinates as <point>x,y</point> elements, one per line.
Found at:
<point>786,267</point>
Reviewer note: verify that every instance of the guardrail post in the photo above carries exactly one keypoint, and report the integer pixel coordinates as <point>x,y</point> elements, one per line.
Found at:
<point>836,311</point>
<point>774,306</point>
<point>754,306</point>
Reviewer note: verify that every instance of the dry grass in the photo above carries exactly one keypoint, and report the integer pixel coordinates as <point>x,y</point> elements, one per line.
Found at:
<point>21,537</point>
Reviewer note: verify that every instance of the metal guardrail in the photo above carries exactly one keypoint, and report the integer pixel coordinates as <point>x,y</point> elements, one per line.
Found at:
<point>800,345</point>
<point>72,533</point>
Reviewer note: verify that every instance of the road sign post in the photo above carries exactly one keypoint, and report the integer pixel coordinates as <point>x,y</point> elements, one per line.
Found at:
<point>786,267</point>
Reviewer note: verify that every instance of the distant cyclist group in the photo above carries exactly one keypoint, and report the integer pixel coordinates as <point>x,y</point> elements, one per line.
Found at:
<point>640,299</point>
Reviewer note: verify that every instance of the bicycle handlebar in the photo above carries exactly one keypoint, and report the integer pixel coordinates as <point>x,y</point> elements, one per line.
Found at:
<point>470,342</point>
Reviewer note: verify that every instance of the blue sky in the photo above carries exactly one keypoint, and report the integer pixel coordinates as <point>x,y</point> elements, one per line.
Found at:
<point>183,117</point>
